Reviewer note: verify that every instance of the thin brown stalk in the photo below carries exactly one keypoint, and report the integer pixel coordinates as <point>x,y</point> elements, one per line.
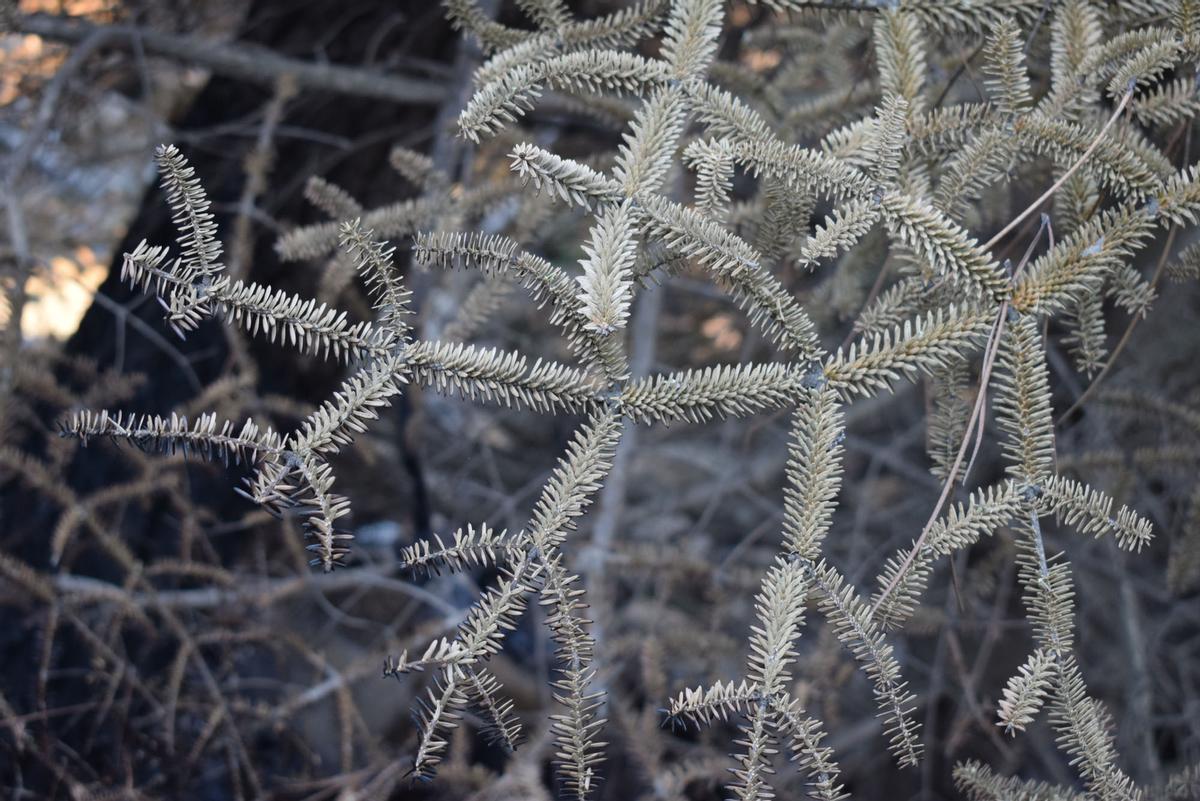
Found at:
<point>1035,205</point>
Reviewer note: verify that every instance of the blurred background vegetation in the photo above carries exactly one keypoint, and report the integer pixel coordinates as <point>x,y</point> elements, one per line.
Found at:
<point>162,638</point>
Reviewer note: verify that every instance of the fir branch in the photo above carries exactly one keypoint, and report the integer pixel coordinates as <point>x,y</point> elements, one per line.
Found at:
<point>713,163</point>
<point>546,283</point>
<point>466,15</point>
<point>391,222</point>
<point>606,286</point>
<point>944,244</point>
<point>576,729</point>
<point>373,261</point>
<point>331,198</point>
<point>890,138</point>
<point>569,180</point>
<point>1090,511</point>
<point>1119,168</point>
<point>703,706</point>
<point>842,230</point>
<point>852,623</point>
<point>698,395</point>
<point>900,52</point>
<point>352,407</point>
<point>905,575</point>
<point>1007,81</point>
<point>1081,262</point>
<point>191,216</point>
<point>1022,404</point>
<point>512,94</point>
<point>813,472</point>
<point>1025,692</point>
<point>690,40</point>
<point>805,737</point>
<point>645,156</point>
<point>203,436</point>
<point>921,344</point>
<point>503,377</point>
<point>576,479</point>
<point>1083,727</point>
<point>470,548</point>
<point>501,726</point>
<point>978,783</point>
<point>689,233</point>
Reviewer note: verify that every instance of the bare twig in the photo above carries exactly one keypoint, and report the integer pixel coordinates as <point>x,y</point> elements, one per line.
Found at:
<point>242,60</point>
<point>977,419</point>
<point>262,592</point>
<point>1066,176</point>
<point>124,316</point>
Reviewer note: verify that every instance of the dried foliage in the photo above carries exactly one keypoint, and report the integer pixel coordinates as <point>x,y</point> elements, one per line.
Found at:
<point>913,211</point>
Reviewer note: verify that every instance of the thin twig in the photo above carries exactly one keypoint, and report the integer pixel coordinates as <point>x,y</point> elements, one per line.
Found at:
<point>1004,310</point>
<point>1066,175</point>
<point>260,592</point>
<point>124,316</point>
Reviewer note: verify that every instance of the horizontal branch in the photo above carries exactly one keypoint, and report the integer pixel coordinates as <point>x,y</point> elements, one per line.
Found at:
<point>260,593</point>
<point>242,60</point>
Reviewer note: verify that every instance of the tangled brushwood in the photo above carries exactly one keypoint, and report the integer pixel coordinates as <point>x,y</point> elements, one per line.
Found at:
<point>966,218</point>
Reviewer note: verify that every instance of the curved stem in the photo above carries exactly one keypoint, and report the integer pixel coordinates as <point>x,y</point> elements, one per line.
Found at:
<point>1066,175</point>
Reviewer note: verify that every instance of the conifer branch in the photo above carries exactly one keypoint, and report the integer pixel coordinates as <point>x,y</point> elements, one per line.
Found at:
<point>920,344</point>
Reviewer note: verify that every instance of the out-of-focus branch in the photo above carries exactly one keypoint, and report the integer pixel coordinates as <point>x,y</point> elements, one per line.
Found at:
<point>258,592</point>
<point>242,60</point>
